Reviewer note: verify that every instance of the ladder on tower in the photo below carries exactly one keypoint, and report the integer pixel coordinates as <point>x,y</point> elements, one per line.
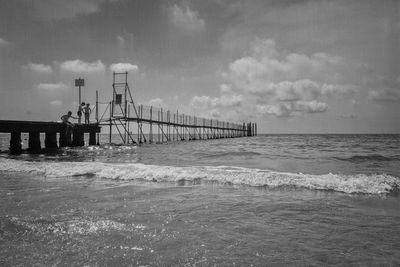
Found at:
<point>121,104</point>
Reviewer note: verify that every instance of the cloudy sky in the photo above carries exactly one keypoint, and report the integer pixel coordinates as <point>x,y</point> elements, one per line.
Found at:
<point>293,66</point>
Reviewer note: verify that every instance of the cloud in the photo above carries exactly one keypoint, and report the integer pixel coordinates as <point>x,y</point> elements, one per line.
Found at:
<point>156,102</point>
<point>385,95</point>
<point>56,103</point>
<point>226,106</point>
<point>186,19</point>
<point>61,9</point>
<point>288,109</point>
<point>339,89</point>
<point>280,84</point>
<point>267,82</point>
<point>266,63</point>
<point>51,86</point>
<point>79,66</point>
<point>41,68</point>
<point>122,67</point>
<point>348,116</point>
<point>4,42</point>
<point>225,100</point>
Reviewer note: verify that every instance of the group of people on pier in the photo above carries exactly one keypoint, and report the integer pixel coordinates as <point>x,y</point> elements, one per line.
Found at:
<point>82,109</point>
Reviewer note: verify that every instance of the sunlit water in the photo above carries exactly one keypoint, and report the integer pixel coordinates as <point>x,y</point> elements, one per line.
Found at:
<point>268,200</point>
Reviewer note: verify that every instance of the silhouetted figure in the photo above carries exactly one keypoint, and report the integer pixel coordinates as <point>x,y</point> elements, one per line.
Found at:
<point>65,119</point>
<point>87,110</point>
<point>79,113</point>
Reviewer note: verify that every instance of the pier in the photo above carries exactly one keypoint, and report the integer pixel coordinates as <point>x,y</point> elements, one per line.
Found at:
<point>135,124</point>
<point>138,124</point>
<point>67,136</point>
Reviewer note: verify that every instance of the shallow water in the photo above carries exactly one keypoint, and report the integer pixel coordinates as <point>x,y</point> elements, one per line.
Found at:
<point>267,200</point>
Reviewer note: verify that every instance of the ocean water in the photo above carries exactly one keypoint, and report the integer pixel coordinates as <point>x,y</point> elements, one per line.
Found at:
<point>292,200</point>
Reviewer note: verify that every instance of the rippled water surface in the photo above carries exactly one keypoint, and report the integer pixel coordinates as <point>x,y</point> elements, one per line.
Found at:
<point>268,200</point>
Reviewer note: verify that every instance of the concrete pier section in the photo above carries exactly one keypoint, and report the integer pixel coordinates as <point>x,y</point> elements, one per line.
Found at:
<point>68,136</point>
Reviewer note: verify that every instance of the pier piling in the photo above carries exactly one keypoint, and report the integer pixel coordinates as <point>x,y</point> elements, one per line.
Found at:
<point>77,137</point>
<point>50,129</point>
<point>50,140</point>
<point>92,139</point>
<point>34,142</point>
<point>15,143</point>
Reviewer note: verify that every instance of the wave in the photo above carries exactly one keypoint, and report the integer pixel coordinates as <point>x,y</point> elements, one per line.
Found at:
<point>363,158</point>
<point>229,154</point>
<point>359,183</point>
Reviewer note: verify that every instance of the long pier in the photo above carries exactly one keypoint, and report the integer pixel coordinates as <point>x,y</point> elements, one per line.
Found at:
<point>136,123</point>
<point>67,136</point>
<point>155,125</point>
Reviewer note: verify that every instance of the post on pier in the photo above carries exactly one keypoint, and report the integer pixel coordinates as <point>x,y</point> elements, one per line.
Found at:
<point>15,143</point>
<point>34,142</point>
<point>50,140</point>
<point>92,138</point>
<point>78,137</point>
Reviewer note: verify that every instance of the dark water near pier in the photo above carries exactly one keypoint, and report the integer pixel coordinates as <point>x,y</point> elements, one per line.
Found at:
<point>267,200</point>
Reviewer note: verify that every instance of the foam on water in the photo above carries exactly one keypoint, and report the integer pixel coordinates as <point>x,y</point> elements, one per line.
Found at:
<point>359,183</point>
<point>76,226</point>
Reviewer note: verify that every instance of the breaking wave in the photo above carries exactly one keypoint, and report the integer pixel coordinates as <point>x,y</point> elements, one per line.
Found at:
<point>359,183</point>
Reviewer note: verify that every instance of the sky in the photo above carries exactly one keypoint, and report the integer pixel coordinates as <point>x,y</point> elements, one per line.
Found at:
<point>292,66</point>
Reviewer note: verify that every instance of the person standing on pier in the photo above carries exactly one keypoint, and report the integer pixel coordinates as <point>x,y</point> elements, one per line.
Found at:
<point>87,110</point>
<point>79,113</point>
<point>65,120</point>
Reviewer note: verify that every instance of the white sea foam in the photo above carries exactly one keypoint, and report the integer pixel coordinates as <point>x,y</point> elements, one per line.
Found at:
<point>359,183</point>
<point>76,226</point>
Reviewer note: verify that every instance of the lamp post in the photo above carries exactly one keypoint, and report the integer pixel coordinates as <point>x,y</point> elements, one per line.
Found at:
<point>79,83</point>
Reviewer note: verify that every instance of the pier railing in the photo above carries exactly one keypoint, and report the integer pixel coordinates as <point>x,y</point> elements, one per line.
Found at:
<point>156,124</point>
<point>169,125</point>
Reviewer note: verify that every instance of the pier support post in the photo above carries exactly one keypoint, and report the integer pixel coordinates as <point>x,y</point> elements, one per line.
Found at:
<point>65,136</point>
<point>15,143</point>
<point>92,139</point>
<point>78,138</point>
<point>34,142</point>
<point>63,139</point>
<point>50,140</point>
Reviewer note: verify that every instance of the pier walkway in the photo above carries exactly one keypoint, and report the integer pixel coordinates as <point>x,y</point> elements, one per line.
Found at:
<point>52,130</point>
<point>140,123</point>
<point>135,124</point>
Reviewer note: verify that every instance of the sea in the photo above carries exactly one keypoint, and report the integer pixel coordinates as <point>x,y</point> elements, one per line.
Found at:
<point>267,200</point>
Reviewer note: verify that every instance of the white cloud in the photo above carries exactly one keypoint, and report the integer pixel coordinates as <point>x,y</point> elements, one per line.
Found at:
<point>186,19</point>
<point>79,66</point>
<point>348,116</point>
<point>385,95</point>
<point>264,63</point>
<point>156,102</point>
<point>41,68</point>
<point>338,89</point>
<point>61,9</point>
<point>120,39</point>
<point>225,100</point>
<point>271,82</point>
<point>287,109</point>
<point>226,106</point>
<point>122,67</point>
<point>56,103</point>
<point>4,42</point>
<point>51,86</point>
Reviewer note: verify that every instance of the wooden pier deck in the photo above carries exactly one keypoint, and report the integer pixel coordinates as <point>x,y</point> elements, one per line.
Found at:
<point>66,135</point>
